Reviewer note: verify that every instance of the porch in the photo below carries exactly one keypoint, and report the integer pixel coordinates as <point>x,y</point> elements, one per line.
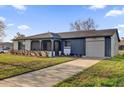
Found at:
<point>54,47</point>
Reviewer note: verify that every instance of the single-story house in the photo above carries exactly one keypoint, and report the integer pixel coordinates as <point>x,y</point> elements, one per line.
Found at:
<point>121,45</point>
<point>6,45</point>
<point>95,43</point>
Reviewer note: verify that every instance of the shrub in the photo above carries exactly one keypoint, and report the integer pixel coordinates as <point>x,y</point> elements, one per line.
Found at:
<point>30,53</point>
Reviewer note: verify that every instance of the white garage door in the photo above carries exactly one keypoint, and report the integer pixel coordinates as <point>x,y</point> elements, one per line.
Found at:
<point>95,47</point>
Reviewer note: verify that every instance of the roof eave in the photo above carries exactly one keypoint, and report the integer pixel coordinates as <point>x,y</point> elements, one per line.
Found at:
<point>33,38</point>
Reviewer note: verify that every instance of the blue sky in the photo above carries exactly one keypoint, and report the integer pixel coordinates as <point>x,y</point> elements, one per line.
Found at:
<point>30,20</point>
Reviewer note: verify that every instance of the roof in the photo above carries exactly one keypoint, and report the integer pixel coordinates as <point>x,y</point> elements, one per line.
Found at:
<point>97,33</point>
<point>74,34</point>
<point>121,42</point>
<point>44,35</point>
<point>5,43</point>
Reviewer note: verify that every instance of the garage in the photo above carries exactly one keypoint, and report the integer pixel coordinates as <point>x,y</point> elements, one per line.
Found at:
<point>95,47</point>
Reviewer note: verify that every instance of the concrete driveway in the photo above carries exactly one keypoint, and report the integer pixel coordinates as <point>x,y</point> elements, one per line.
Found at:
<point>49,76</point>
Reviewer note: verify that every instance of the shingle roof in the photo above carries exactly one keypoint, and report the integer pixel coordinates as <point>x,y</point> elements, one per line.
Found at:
<point>74,34</point>
<point>44,35</point>
<point>97,33</point>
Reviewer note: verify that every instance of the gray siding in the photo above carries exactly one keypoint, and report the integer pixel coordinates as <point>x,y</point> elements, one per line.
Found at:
<point>27,44</point>
<point>114,45</point>
<point>78,46</point>
<point>15,45</point>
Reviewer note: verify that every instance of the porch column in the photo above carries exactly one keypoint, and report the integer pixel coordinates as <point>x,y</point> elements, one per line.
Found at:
<point>40,44</point>
<point>52,46</point>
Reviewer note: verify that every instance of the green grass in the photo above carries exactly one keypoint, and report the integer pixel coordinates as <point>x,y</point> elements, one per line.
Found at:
<point>11,65</point>
<point>109,72</point>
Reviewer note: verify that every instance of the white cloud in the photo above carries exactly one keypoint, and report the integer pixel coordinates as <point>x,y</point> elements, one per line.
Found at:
<point>114,12</point>
<point>23,27</point>
<point>121,25</point>
<point>9,25</point>
<point>120,28</point>
<point>94,7</point>
<point>120,32</point>
<point>2,18</point>
<point>19,7</point>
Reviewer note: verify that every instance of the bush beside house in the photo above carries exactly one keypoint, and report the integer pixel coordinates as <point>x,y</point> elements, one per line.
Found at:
<point>30,53</point>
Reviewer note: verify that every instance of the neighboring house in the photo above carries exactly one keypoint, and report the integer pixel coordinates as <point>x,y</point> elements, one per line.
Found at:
<point>121,45</point>
<point>99,43</point>
<point>6,45</point>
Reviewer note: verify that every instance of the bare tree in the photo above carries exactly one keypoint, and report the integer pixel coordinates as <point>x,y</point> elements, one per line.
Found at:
<point>83,25</point>
<point>18,35</point>
<point>2,32</point>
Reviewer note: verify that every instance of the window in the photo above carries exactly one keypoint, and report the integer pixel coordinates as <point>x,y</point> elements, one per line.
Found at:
<point>67,43</point>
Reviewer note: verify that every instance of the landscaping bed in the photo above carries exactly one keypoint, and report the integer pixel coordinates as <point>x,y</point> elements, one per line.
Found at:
<point>12,65</point>
<point>109,72</point>
<point>30,53</point>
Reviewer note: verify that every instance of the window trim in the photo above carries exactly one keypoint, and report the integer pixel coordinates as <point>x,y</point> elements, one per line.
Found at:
<point>67,43</point>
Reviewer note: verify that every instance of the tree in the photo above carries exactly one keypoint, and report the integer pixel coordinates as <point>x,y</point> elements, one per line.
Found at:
<point>18,35</point>
<point>2,32</point>
<point>83,25</point>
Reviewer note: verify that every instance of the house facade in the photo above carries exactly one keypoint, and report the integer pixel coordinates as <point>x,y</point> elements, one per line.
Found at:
<point>95,43</point>
<point>121,45</point>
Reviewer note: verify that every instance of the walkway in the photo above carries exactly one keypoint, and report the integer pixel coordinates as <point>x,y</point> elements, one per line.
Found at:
<point>49,76</point>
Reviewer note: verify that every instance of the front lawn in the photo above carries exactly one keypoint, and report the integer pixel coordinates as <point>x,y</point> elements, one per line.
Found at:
<point>108,72</point>
<point>11,65</point>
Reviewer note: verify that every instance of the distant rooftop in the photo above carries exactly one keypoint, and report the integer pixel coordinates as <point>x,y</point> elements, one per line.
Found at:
<point>121,42</point>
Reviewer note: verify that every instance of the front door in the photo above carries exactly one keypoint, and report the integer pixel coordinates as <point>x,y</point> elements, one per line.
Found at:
<point>107,46</point>
<point>57,46</point>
